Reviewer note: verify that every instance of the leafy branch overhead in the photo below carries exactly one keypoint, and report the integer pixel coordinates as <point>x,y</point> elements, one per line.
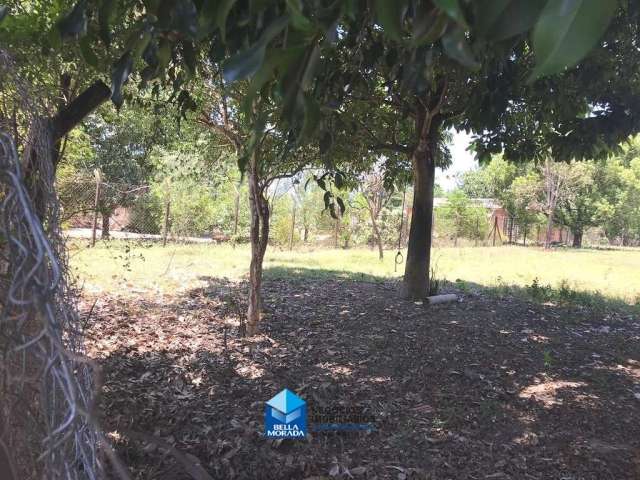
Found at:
<point>282,46</point>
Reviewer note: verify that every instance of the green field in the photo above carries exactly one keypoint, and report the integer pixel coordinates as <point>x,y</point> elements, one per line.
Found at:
<point>122,267</point>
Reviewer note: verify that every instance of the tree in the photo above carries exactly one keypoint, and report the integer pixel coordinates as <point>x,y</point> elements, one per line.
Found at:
<point>556,183</point>
<point>290,45</point>
<point>462,217</point>
<point>621,216</point>
<point>375,197</point>
<point>421,107</point>
<point>520,201</point>
<point>490,180</point>
<point>121,146</point>
<point>593,188</point>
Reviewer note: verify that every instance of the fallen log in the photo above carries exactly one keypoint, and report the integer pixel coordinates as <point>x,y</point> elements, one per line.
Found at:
<point>446,298</point>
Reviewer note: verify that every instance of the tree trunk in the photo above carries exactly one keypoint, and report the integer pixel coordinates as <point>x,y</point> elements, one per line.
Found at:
<point>306,233</point>
<point>416,272</point>
<point>548,237</point>
<point>259,237</point>
<point>336,233</point>
<point>376,231</point>
<point>577,239</point>
<point>105,235</point>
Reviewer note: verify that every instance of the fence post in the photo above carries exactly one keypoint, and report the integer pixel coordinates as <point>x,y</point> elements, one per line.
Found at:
<point>96,203</point>
<point>167,208</point>
<point>293,226</point>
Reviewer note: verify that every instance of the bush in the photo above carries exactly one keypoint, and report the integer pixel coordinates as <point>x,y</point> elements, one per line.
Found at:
<point>147,214</point>
<point>192,209</point>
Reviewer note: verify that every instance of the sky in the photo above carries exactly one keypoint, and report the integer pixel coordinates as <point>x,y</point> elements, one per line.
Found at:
<point>462,160</point>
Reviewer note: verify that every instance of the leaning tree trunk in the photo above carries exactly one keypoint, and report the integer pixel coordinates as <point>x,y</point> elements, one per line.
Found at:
<point>259,236</point>
<point>416,272</point>
<point>577,238</point>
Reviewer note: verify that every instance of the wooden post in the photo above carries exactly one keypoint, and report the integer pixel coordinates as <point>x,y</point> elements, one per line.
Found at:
<point>96,203</point>
<point>495,230</point>
<point>477,231</point>
<point>167,208</point>
<point>293,226</point>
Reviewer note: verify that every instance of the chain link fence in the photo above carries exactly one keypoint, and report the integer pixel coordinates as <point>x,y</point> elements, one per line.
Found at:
<point>93,208</point>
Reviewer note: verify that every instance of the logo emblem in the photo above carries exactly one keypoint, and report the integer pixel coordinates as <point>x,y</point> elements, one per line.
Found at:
<point>285,416</point>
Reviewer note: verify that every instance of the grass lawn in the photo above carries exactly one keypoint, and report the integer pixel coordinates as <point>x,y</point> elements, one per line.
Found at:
<point>130,266</point>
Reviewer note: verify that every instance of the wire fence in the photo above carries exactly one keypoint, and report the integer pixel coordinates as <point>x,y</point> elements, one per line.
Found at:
<point>93,208</point>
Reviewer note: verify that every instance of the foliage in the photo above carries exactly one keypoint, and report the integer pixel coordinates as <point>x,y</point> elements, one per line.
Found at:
<point>622,217</point>
<point>593,190</point>
<point>520,200</point>
<point>279,45</point>
<point>460,218</point>
<point>491,180</point>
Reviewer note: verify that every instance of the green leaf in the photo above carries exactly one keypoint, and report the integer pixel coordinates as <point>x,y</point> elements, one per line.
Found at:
<point>455,46</point>
<point>298,20</point>
<point>74,24</point>
<point>119,76</point>
<point>54,37</point>
<point>311,116</point>
<point>390,14</point>
<point>246,63</point>
<point>502,19</point>
<point>152,6</point>
<point>223,13</point>
<point>106,16</point>
<point>164,54</point>
<point>4,10</point>
<point>427,28</point>
<point>451,8</point>
<point>273,29</point>
<point>141,44</point>
<point>186,18</point>
<point>87,52</point>
<point>215,12</point>
<point>243,64</point>
<point>566,31</point>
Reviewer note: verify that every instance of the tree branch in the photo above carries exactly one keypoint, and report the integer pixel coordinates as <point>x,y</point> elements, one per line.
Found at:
<point>66,119</point>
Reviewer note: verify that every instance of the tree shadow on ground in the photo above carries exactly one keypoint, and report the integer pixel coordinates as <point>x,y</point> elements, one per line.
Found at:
<point>490,387</point>
<point>306,273</point>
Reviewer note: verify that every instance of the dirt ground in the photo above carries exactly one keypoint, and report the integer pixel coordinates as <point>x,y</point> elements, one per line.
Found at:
<point>487,388</point>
